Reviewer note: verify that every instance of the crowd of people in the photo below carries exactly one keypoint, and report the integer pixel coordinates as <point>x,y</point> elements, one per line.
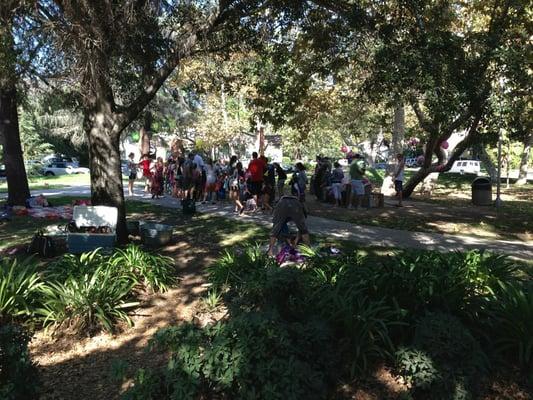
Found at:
<point>260,185</point>
<point>193,177</point>
<point>330,184</point>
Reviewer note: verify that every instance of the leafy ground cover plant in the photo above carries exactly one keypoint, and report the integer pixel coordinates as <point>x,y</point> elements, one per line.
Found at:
<point>88,302</point>
<point>18,375</point>
<point>19,288</point>
<point>255,355</point>
<point>82,293</point>
<point>422,311</point>
<point>155,272</point>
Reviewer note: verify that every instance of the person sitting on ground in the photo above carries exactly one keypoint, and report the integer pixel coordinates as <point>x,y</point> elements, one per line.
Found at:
<point>288,207</point>
<point>398,178</point>
<point>357,172</point>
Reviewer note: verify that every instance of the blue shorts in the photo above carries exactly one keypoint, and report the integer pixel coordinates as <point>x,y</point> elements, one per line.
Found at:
<point>357,187</point>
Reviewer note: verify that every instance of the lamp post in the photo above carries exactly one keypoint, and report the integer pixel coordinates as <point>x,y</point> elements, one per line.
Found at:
<point>498,201</point>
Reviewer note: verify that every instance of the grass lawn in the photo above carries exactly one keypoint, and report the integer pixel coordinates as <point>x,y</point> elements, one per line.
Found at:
<point>449,210</point>
<point>52,182</point>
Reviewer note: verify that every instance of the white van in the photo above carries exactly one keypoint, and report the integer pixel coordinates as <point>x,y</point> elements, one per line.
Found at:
<point>466,167</point>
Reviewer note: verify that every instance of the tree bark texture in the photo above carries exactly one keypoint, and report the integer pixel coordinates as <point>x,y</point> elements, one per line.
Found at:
<point>524,160</point>
<point>487,162</point>
<point>106,173</point>
<point>433,147</point>
<point>17,181</point>
<point>398,131</point>
<point>146,134</point>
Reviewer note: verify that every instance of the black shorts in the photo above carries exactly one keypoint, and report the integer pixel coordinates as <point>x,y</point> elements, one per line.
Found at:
<point>133,176</point>
<point>255,188</point>
<point>398,186</point>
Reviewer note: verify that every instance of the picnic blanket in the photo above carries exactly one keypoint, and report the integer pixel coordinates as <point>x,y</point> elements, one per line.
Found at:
<point>53,213</point>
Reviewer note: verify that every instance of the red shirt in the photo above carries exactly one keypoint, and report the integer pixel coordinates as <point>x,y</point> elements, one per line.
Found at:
<point>256,169</point>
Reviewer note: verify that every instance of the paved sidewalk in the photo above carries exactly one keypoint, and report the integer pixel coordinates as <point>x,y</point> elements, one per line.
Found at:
<point>367,235</point>
<point>373,235</point>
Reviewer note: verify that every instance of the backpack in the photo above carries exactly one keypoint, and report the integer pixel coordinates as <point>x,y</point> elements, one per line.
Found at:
<point>189,206</point>
<point>42,245</point>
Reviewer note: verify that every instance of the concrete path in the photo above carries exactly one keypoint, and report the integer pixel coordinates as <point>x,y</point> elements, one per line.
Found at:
<point>367,235</point>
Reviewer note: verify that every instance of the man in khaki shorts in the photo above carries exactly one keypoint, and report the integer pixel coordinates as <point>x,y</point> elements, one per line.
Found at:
<point>288,208</point>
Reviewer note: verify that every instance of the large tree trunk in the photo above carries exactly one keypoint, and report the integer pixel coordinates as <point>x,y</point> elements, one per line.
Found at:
<point>433,147</point>
<point>106,174</point>
<point>17,181</point>
<point>524,161</point>
<point>487,162</point>
<point>398,132</point>
<point>146,134</point>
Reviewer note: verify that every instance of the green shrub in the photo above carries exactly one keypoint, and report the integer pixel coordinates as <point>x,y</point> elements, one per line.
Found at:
<point>153,271</point>
<point>444,359</point>
<point>71,265</point>
<point>18,375</point>
<point>19,288</point>
<point>416,367</point>
<point>254,355</point>
<point>510,323</point>
<point>89,301</point>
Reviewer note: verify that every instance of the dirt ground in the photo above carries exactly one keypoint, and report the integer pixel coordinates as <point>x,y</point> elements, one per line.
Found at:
<point>81,368</point>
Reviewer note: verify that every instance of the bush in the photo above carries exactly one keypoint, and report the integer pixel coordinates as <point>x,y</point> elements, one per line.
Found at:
<point>509,323</point>
<point>337,316</point>
<point>19,288</point>
<point>255,355</point>
<point>88,301</point>
<point>153,271</point>
<point>18,375</point>
<point>444,359</point>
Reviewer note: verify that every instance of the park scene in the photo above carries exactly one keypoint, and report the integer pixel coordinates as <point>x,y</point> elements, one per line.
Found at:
<point>266,199</point>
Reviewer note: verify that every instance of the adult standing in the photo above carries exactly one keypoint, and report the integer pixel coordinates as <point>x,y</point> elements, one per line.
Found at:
<point>357,172</point>
<point>210,183</point>
<point>236,182</point>
<point>158,179</point>
<point>282,177</point>
<point>147,175</point>
<point>299,182</point>
<point>398,178</point>
<point>337,175</point>
<point>269,186</point>
<point>132,173</point>
<point>256,169</point>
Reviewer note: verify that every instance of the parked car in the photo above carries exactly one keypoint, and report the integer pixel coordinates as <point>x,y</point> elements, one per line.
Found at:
<point>466,167</point>
<point>60,158</point>
<point>411,162</point>
<point>61,168</point>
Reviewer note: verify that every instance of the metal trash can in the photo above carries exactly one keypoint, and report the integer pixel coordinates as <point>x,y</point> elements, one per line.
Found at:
<point>482,192</point>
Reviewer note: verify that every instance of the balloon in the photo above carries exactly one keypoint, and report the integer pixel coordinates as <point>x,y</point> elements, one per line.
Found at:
<point>344,149</point>
<point>445,145</point>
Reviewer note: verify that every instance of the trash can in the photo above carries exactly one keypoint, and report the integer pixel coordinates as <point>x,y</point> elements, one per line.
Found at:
<point>482,192</point>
